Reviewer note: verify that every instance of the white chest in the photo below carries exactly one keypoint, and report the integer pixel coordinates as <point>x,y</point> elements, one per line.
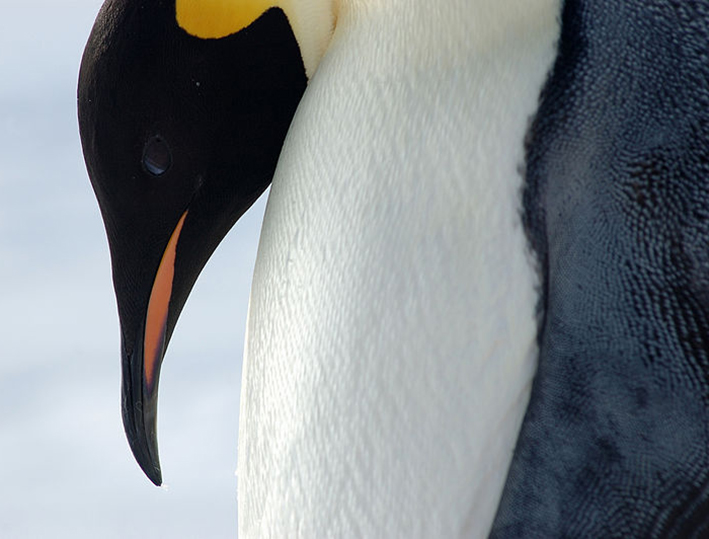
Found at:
<point>391,335</point>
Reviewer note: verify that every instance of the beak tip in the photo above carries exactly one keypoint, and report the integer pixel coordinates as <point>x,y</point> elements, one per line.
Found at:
<point>154,474</point>
<point>139,421</point>
<point>145,452</point>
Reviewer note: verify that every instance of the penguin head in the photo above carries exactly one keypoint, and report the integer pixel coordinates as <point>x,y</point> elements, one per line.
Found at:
<point>182,121</point>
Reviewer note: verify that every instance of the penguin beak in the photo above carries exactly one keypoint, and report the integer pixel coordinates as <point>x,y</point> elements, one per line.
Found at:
<point>141,365</point>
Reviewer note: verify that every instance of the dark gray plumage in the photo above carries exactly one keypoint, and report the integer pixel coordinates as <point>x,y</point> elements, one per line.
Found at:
<point>615,442</point>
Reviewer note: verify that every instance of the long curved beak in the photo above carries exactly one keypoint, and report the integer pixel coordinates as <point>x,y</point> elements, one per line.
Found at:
<point>141,366</point>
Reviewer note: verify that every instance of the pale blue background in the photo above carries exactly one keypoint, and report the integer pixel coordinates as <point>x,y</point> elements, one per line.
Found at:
<point>65,467</point>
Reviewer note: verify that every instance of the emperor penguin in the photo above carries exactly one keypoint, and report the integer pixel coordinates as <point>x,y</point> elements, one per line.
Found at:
<point>480,302</point>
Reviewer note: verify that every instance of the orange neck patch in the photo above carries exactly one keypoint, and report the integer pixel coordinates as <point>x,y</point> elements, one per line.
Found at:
<point>213,19</point>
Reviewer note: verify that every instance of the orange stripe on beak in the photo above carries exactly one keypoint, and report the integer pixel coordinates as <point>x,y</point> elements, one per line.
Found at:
<point>156,322</point>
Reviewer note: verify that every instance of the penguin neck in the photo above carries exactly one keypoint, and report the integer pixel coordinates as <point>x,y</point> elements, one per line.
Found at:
<point>391,334</point>
<point>313,23</point>
<point>426,31</point>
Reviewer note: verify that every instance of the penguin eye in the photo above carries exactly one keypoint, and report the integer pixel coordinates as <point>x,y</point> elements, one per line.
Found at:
<point>157,156</point>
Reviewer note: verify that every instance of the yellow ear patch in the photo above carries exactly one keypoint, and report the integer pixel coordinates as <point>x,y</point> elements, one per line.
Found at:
<point>219,18</point>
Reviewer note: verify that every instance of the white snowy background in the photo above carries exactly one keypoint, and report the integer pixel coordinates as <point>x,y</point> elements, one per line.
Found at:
<point>65,466</point>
